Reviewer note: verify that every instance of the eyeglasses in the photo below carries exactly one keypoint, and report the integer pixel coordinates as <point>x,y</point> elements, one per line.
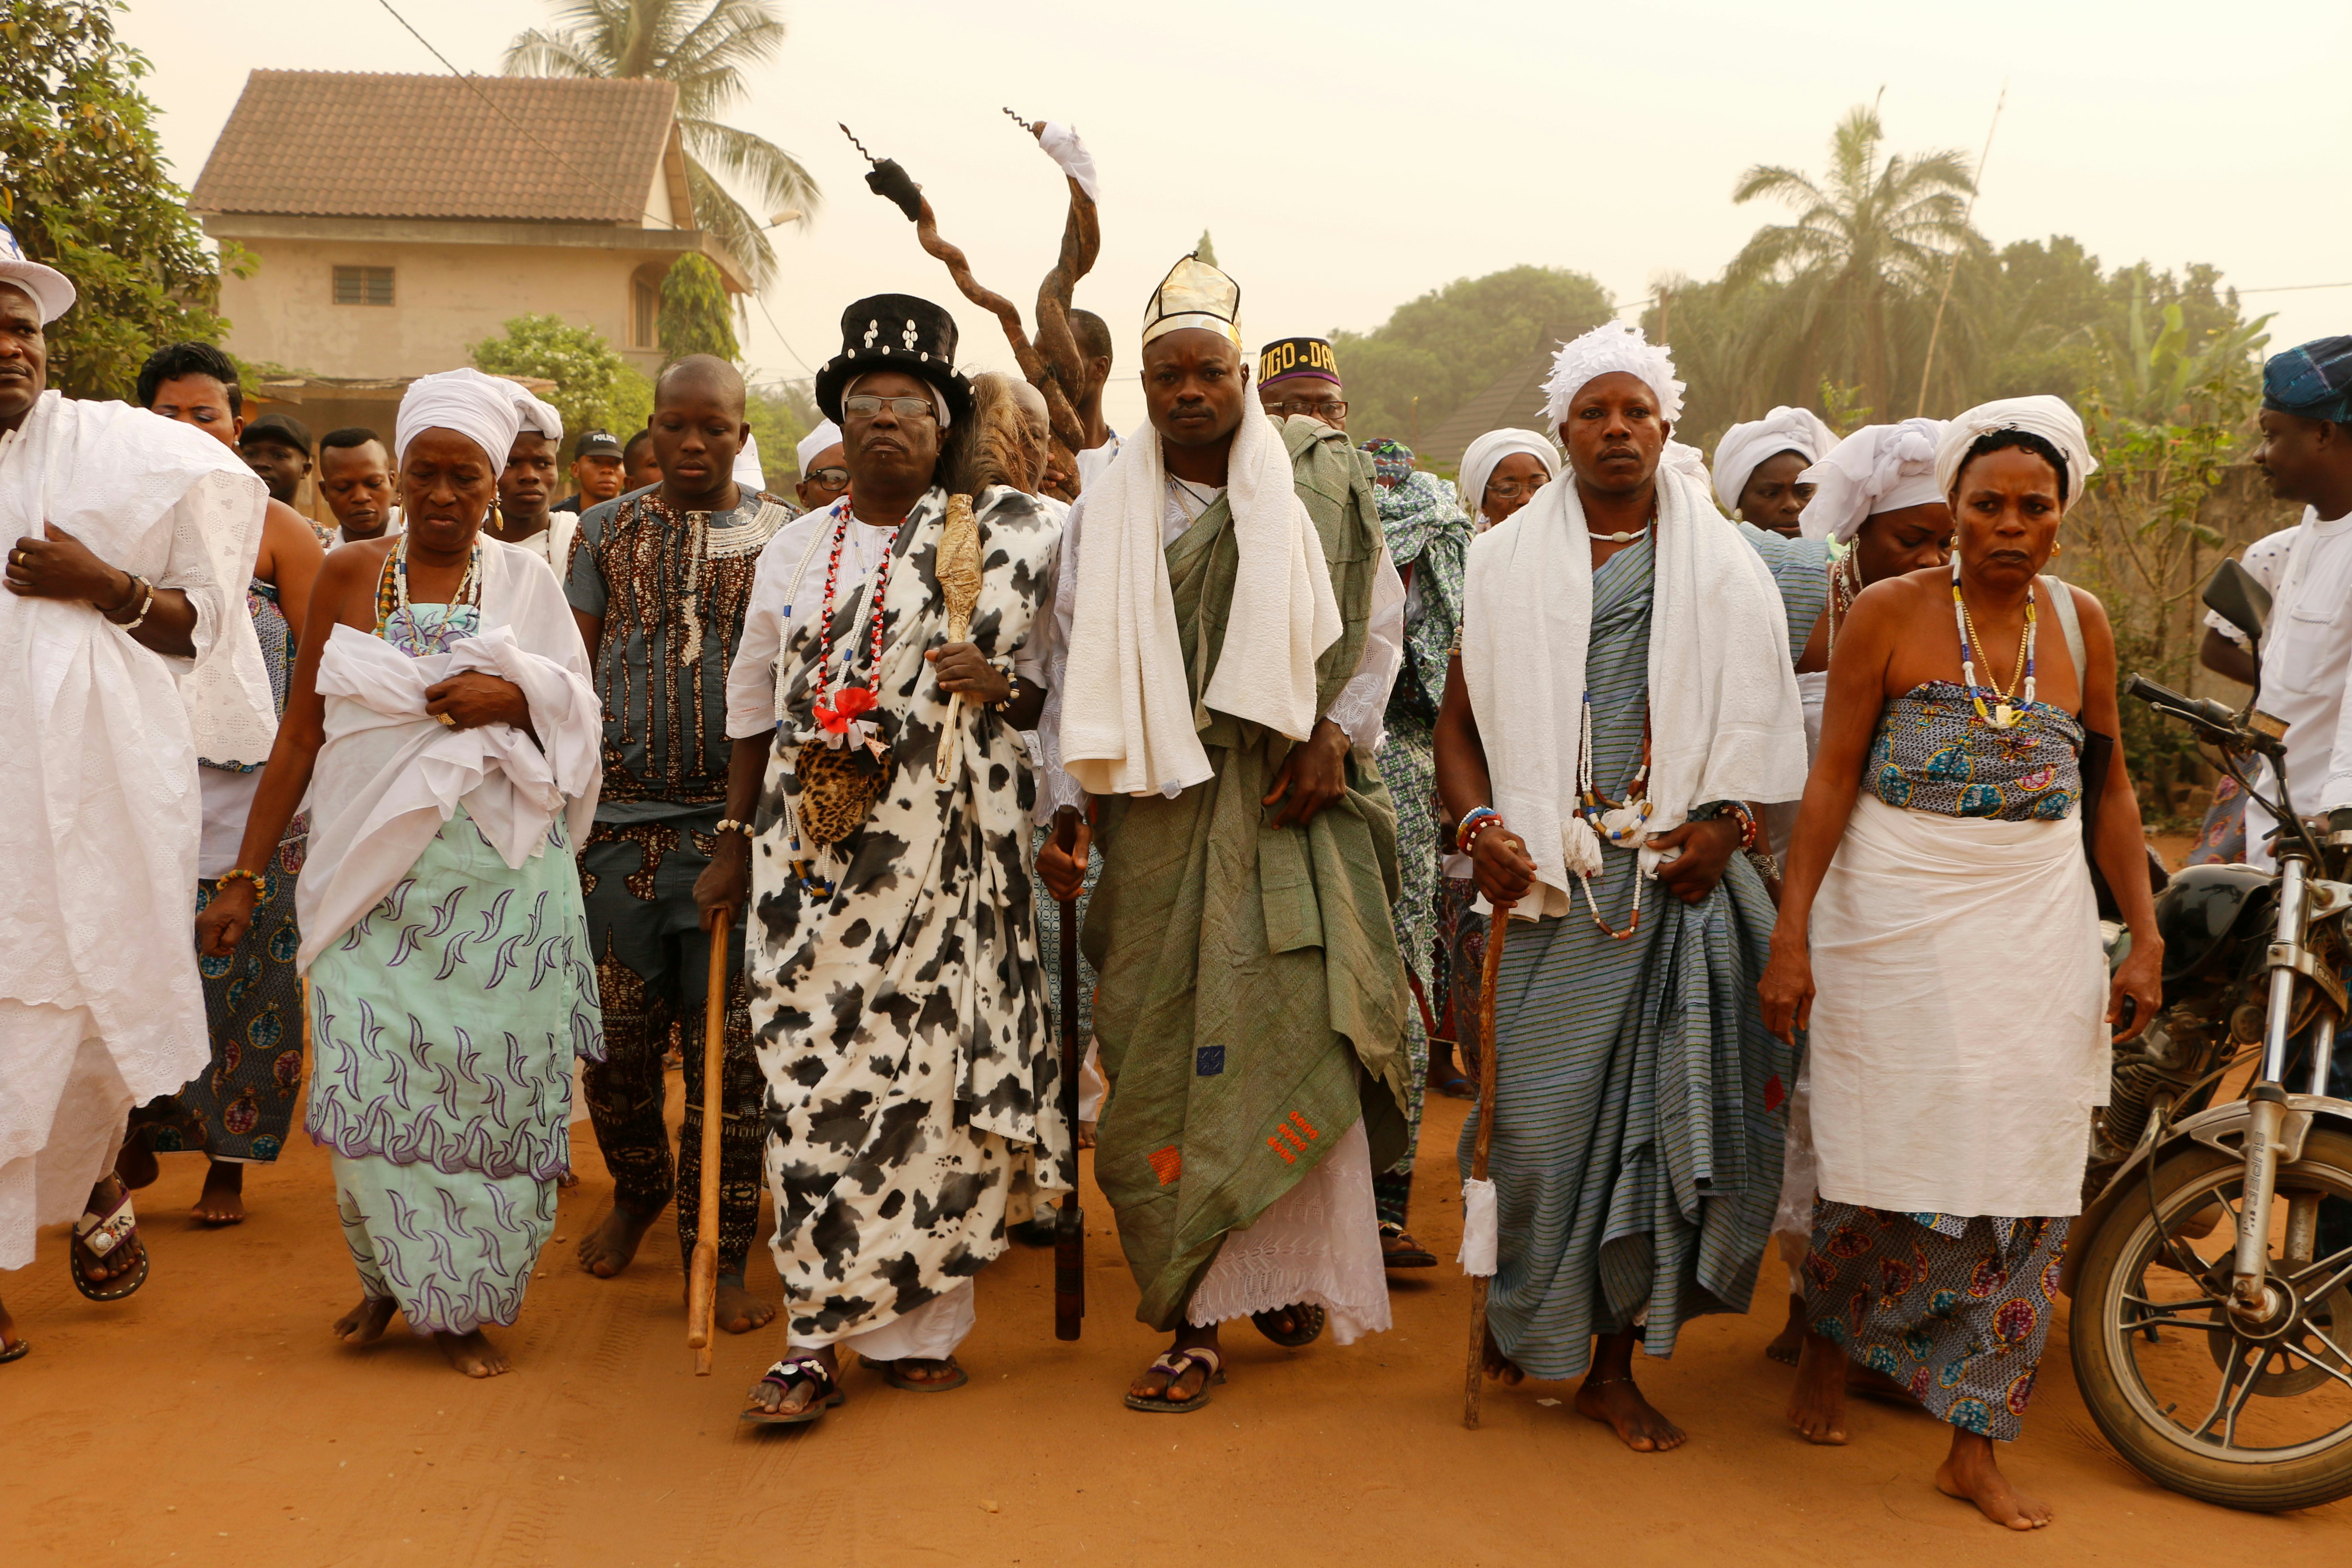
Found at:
<point>828,479</point>
<point>1335,409</point>
<point>1512,489</point>
<point>904,408</point>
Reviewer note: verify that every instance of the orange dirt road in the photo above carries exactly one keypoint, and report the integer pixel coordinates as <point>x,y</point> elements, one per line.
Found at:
<point>213,1420</point>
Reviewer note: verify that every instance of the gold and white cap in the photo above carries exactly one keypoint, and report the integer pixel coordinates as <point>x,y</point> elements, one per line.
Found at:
<point>1194,294</point>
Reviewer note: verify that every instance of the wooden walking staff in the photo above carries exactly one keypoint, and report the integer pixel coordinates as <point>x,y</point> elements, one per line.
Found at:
<point>1069,1220</point>
<point>702,1273</point>
<point>1474,1382</point>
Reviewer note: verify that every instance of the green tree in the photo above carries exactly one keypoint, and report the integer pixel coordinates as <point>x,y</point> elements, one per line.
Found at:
<point>703,46</point>
<point>594,386</point>
<point>1205,250</point>
<point>695,316</point>
<point>778,423</point>
<point>82,187</point>
<point>1452,342</point>
<point>1863,263</point>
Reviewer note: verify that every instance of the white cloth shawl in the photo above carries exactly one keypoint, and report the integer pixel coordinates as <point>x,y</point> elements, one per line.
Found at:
<point>1724,718</point>
<point>389,775</point>
<point>1127,714</point>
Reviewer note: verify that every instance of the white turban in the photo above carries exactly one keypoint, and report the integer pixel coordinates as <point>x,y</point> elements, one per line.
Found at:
<point>1879,467</point>
<point>1614,347</point>
<point>1487,452</point>
<point>2043,415</point>
<point>1688,460</point>
<point>482,408</point>
<point>539,416</point>
<point>746,464</point>
<point>827,434</point>
<point>1746,447</point>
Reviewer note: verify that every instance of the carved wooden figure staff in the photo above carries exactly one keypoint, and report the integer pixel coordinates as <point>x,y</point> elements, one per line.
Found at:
<point>1052,364</point>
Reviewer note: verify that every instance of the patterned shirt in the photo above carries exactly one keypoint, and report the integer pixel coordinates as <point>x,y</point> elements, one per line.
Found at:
<point>671,589</point>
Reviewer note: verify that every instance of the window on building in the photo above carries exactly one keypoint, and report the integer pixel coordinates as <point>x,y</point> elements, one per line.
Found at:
<point>362,285</point>
<point>645,315</point>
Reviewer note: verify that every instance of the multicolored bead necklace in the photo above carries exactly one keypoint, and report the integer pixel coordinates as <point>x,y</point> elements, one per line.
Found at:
<point>2003,715</point>
<point>881,584</point>
<point>391,598</point>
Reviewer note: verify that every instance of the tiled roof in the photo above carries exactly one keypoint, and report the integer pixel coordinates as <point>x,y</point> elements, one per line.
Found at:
<point>351,144</point>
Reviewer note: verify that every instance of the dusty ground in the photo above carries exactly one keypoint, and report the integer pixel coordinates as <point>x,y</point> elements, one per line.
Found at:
<point>213,1420</point>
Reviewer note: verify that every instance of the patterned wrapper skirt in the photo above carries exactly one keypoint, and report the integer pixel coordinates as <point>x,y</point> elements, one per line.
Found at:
<point>1955,1309</point>
<point>241,1106</point>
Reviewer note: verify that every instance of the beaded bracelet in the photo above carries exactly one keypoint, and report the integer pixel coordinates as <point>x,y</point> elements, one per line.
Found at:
<point>139,586</point>
<point>729,825</point>
<point>1490,820</point>
<point>1747,831</point>
<point>1464,832</point>
<point>1012,694</point>
<point>239,874</point>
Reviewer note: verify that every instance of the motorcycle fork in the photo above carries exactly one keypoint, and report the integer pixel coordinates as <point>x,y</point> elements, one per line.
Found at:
<point>2266,1105</point>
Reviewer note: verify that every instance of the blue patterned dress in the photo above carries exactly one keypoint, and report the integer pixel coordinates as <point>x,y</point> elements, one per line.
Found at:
<point>443,1028</point>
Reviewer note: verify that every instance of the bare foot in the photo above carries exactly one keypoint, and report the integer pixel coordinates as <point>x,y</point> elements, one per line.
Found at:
<point>364,1325</point>
<point>1873,1384</point>
<point>737,1310</point>
<point>8,1339</point>
<point>137,1164</point>
<point>608,1249</point>
<point>1971,1473</point>
<point>472,1355</point>
<point>1085,1134</point>
<point>1616,1401</point>
<point>567,1178</point>
<point>924,1371</point>
<point>223,1200</point>
<point>1817,1404</point>
<point>1789,1341</point>
<point>1501,1367</point>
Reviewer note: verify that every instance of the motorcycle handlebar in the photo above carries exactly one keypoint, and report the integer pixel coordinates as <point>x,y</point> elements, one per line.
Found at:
<point>2214,719</point>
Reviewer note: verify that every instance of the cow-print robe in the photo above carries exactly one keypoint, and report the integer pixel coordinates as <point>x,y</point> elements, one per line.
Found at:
<point>901,1020</point>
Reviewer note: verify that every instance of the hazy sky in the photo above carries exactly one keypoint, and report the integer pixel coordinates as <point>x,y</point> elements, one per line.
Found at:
<point>1348,158</point>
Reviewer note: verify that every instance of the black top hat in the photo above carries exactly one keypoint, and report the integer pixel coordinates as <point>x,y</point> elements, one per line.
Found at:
<point>895,331</point>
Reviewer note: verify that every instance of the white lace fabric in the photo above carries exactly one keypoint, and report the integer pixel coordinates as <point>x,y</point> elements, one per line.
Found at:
<point>1318,1245</point>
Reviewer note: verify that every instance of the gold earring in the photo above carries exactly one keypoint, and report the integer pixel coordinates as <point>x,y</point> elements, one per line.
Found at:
<point>2056,545</point>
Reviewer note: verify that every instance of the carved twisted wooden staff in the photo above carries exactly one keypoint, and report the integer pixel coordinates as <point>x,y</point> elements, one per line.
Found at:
<point>1058,370</point>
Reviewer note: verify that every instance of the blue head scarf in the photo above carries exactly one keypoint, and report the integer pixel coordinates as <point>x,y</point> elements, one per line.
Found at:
<point>2312,381</point>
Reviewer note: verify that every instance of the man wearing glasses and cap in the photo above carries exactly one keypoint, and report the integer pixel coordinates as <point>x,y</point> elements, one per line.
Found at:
<point>823,476</point>
<point>131,538</point>
<point>1299,378</point>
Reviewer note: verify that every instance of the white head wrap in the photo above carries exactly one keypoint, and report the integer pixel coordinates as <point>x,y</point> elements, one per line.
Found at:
<point>1745,447</point>
<point>482,408</point>
<point>539,416</point>
<point>827,434</point>
<point>1684,459</point>
<point>1879,467</point>
<point>1614,347</point>
<point>1487,454</point>
<point>1062,144</point>
<point>2043,415</point>
<point>748,472</point>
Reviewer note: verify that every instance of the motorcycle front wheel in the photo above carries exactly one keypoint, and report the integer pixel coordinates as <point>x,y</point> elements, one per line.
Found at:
<point>2249,1416</point>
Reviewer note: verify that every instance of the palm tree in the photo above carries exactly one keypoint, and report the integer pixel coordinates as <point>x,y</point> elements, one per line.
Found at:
<point>705,55</point>
<point>1863,263</point>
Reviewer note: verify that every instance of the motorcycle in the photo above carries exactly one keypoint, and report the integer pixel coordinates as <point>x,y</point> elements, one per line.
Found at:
<point>2211,1270</point>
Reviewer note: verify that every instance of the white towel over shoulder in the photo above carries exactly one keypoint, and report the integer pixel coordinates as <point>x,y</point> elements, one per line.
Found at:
<point>1725,719</point>
<point>1127,713</point>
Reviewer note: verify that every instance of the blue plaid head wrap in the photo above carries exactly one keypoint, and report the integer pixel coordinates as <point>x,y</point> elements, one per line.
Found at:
<point>2312,381</point>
